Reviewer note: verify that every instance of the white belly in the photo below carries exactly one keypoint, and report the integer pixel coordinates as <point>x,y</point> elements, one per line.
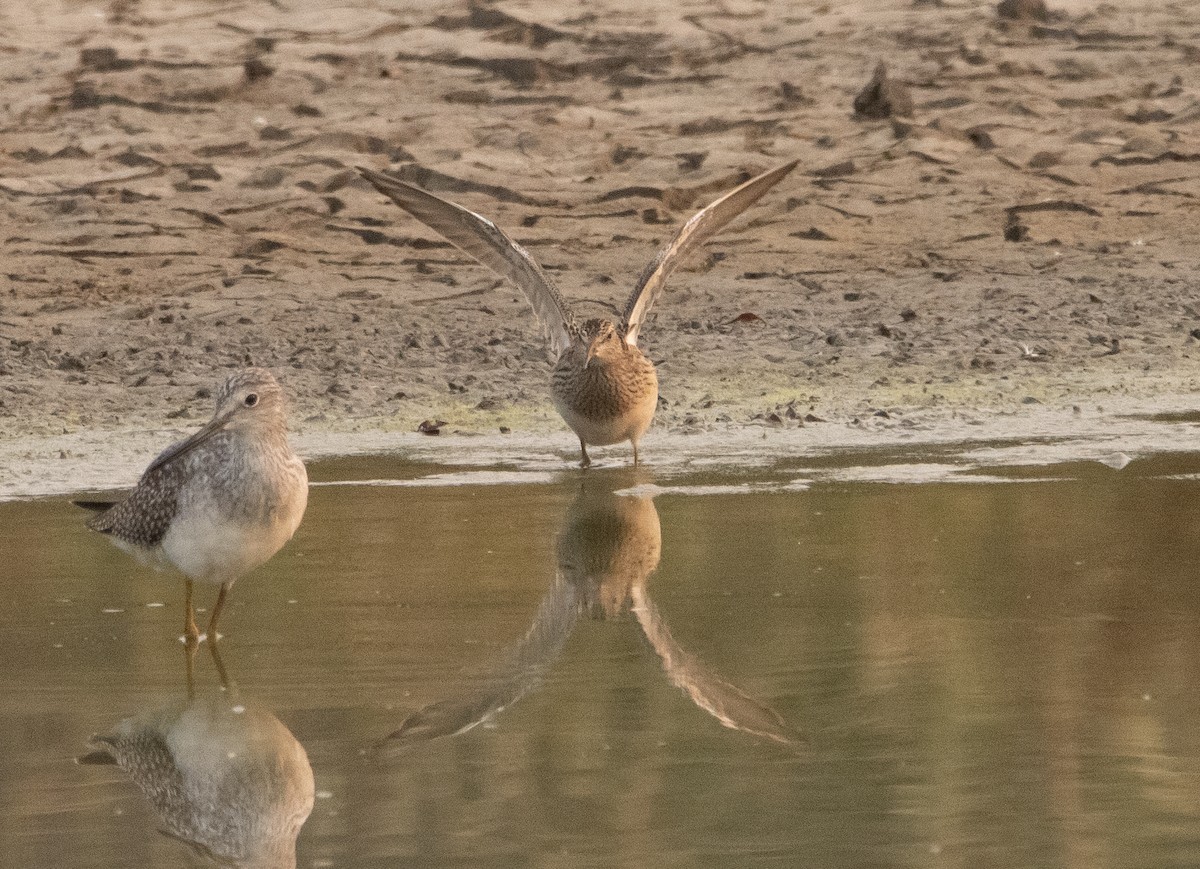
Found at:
<point>208,546</point>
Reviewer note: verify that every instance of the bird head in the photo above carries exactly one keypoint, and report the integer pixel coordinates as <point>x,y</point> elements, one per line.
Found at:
<point>603,342</point>
<point>250,399</point>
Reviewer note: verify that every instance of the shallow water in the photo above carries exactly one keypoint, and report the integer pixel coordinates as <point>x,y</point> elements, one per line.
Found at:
<point>805,666</point>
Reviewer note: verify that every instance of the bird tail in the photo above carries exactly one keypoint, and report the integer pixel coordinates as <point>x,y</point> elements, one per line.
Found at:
<point>103,752</point>
<point>97,506</point>
<point>102,521</point>
<point>101,756</point>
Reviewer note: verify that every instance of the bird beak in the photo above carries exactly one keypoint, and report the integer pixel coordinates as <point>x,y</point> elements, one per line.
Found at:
<point>590,354</point>
<point>170,454</point>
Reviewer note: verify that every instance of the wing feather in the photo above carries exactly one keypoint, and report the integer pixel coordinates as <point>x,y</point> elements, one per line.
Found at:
<point>724,701</point>
<point>691,235</point>
<point>144,516</point>
<point>480,238</point>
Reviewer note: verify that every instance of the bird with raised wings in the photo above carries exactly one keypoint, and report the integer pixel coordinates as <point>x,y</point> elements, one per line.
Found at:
<point>603,385</point>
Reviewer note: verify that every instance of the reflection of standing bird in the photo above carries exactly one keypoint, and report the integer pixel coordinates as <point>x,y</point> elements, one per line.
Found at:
<point>610,544</point>
<point>607,549</point>
<point>607,545</point>
<point>603,385</point>
<point>223,501</point>
<point>224,774</point>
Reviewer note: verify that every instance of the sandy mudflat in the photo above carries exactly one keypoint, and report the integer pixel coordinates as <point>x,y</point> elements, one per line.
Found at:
<point>178,197</point>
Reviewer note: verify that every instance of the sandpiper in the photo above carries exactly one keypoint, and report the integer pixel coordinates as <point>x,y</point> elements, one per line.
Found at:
<point>219,503</point>
<point>603,385</point>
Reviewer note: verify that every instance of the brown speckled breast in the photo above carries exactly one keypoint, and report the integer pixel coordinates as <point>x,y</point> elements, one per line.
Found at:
<point>604,392</point>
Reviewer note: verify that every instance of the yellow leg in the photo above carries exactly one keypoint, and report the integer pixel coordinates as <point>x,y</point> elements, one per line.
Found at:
<point>191,634</point>
<point>585,462</point>
<point>216,614</point>
<point>218,663</point>
<point>189,657</point>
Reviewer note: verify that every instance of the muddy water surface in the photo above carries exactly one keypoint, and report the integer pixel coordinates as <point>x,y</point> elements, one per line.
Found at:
<point>807,666</point>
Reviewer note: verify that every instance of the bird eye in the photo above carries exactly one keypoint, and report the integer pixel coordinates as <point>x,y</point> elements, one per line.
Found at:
<point>251,399</point>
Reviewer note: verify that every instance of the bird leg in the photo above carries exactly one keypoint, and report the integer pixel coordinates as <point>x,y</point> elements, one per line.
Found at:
<point>219,664</point>
<point>191,634</point>
<point>585,462</point>
<point>216,613</point>
<point>635,455</point>
<point>189,657</point>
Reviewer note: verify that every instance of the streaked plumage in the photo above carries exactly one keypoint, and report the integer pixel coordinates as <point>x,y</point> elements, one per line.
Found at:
<point>603,385</point>
<point>221,502</point>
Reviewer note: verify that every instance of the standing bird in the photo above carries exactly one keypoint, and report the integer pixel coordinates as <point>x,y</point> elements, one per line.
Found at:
<point>220,503</point>
<point>603,385</point>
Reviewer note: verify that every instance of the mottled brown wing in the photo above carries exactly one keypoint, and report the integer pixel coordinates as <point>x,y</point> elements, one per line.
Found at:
<point>691,235</point>
<point>478,237</point>
<point>144,516</point>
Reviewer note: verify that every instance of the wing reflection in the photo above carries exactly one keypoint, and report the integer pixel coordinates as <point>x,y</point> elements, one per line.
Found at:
<point>607,549</point>
<point>519,670</point>
<point>723,700</point>
<point>224,775</point>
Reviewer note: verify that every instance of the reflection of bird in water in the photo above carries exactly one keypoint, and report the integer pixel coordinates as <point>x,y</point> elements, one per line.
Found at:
<point>224,775</point>
<point>607,549</point>
<point>603,385</point>
<point>223,501</point>
<point>608,544</point>
<point>723,700</point>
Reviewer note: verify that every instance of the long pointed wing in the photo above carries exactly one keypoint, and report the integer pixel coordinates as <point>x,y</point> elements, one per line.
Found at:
<point>479,237</point>
<point>724,701</point>
<point>691,235</point>
<point>520,670</point>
